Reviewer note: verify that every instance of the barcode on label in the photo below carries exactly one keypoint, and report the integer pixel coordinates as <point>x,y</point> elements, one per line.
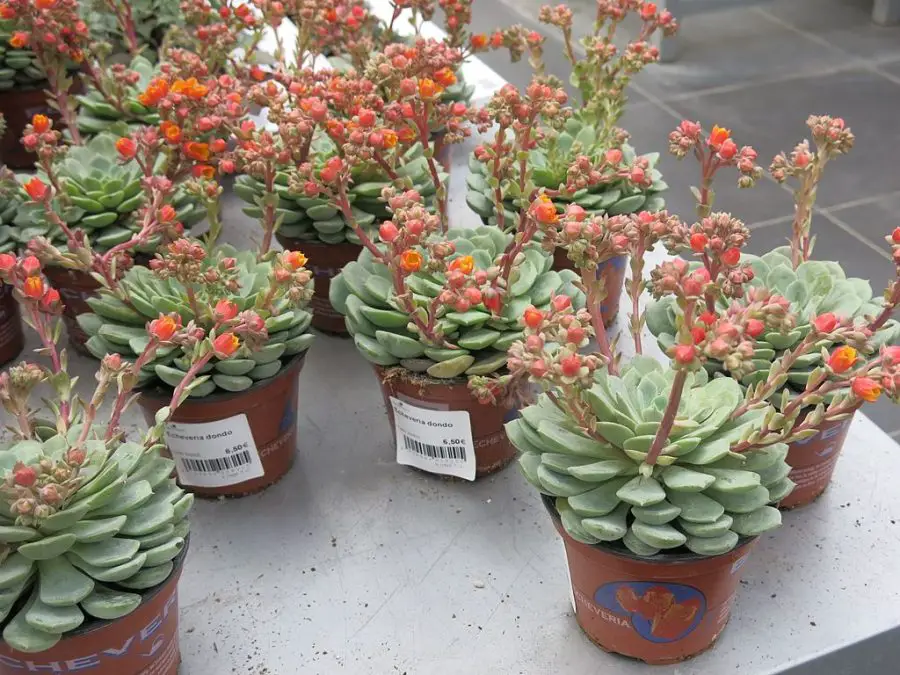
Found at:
<point>435,451</point>
<point>217,464</point>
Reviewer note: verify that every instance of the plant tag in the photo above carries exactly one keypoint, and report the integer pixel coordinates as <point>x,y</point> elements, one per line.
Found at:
<point>214,454</point>
<point>569,576</point>
<point>437,441</point>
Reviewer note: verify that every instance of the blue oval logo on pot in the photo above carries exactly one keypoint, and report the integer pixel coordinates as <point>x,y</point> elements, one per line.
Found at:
<point>659,612</point>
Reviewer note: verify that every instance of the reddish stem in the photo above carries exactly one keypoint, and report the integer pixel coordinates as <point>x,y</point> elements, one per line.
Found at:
<point>665,425</point>
<point>269,216</point>
<point>590,287</point>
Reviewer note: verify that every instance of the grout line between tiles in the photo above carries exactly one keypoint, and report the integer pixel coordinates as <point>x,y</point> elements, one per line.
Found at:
<point>769,222</point>
<point>861,201</point>
<point>853,233</point>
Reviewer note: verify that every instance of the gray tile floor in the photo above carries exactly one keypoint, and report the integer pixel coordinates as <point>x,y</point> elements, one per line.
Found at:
<point>760,71</point>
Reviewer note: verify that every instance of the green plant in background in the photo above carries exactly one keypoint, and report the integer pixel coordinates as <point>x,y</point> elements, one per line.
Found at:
<point>133,26</point>
<point>19,68</point>
<point>101,197</point>
<point>317,219</point>
<point>208,288</point>
<point>462,331</point>
<point>88,520</point>
<point>113,98</point>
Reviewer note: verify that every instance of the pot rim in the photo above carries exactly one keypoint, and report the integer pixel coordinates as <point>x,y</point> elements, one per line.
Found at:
<point>660,558</point>
<point>92,624</point>
<point>157,393</point>
<point>314,242</point>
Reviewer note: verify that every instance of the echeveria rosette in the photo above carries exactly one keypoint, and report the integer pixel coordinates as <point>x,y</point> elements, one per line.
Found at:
<point>699,496</point>
<point>83,532</point>
<point>814,288</point>
<point>116,324</point>
<point>364,294</point>
<point>151,20</point>
<point>96,115</point>
<point>317,218</point>
<point>10,204</point>
<point>103,196</point>
<point>550,164</point>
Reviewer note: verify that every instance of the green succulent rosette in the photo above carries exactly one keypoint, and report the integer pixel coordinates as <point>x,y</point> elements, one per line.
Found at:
<point>118,327</point>
<point>316,219</point>
<point>152,19</point>
<point>814,288</point>
<point>96,116</point>
<point>10,203</point>
<point>18,67</point>
<point>699,497</point>
<point>102,198</point>
<point>550,163</point>
<point>109,531</point>
<point>364,294</point>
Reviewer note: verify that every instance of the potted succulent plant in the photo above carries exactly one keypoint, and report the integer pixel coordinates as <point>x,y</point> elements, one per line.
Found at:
<point>131,27</point>
<point>11,338</point>
<point>254,301</point>
<point>591,137</point>
<point>38,61</point>
<point>433,308</point>
<point>112,97</point>
<point>820,293</point>
<point>659,477</point>
<point>89,199</point>
<point>94,529</point>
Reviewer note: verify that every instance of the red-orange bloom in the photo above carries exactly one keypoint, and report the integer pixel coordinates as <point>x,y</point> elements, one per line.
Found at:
<point>165,326</point>
<point>7,12</point>
<point>717,136</point>
<point>390,138</point>
<point>226,310</point>
<point>533,317</point>
<point>464,264</point>
<point>479,41</point>
<point>445,77</point>
<point>410,261</point>
<point>166,213</point>
<point>126,148</point>
<point>170,131</point>
<point>18,39</point>
<point>33,287</point>
<point>866,388</point>
<point>45,4</point>
<point>429,89</point>
<point>190,88</point>
<point>407,134</point>
<point>196,151</point>
<point>41,123</point>
<point>842,359</point>
<point>36,189</point>
<point>544,211</point>
<point>226,345</point>
<point>294,259</point>
<point>155,92</point>
<point>203,171</point>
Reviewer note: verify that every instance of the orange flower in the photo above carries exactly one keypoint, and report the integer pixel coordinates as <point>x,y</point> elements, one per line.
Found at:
<point>190,88</point>
<point>429,89</point>
<point>166,213</point>
<point>196,151</point>
<point>867,389</point>
<point>33,287</point>
<point>165,326</point>
<point>41,123</point>
<point>155,92</point>
<point>18,39</point>
<point>226,345</point>
<point>203,171</point>
<point>45,4</point>
<point>717,136</point>
<point>407,134</point>
<point>257,73</point>
<point>331,15</point>
<point>36,189</point>
<point>170,131</point>
<point>410,261</point>
<point>390,138</point>
<point>7,12</point>
<point>479,41</point>
<point>464,264</point>
<point>544,210</point>
<point>445,77</point>
<point>842,359</point>
<point>533,317</point>
<point>294,259</point>
<point>126,148</point>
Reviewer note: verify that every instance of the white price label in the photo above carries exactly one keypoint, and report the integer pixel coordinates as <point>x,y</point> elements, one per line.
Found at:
<point>569,576</point>
<point>214,454</point>
<point>437,441</point>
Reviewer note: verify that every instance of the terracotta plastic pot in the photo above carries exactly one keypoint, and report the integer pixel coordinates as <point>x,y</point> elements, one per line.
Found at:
<point>663,609</point>
<point>233,444</point>
<point>613,272</point>
<point>144,642</point>
<point>493,451</point>
<point>18,106</point>
<point>326,261</point>
<point>812,463</point>
<point>74,287</point>
<point>12,340</point>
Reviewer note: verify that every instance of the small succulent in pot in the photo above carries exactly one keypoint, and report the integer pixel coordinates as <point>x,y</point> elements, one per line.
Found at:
<point>819,292</point>
<point>90,521</point>
<point>591,136</point>
<point>113,97</point>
